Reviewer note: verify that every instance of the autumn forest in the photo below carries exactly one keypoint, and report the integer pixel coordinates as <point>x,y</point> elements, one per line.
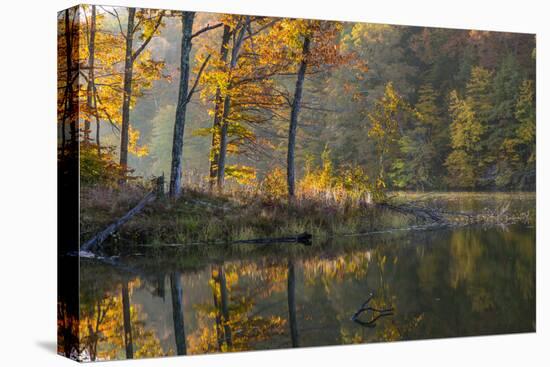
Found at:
<point>236,158</point>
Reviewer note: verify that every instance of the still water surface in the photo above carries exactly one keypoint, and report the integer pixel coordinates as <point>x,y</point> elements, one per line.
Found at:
<point>444,283</point>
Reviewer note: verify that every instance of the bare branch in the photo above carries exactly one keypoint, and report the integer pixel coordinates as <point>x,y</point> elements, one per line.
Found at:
<point>148,39</point>
<point>252,34</point>
<point>190,94</point>
<point>115,14</point>
<point>206,29</point>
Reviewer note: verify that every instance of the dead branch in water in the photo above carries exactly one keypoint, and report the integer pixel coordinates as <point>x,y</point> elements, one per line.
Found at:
<point>376,314</point>
<point>500,216</point>
<point>423,213</point>
<point>303,238</point>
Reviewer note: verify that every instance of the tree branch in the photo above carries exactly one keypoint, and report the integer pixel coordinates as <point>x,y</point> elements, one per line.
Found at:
<point>252,34</point>
<point>148,39</point>
<point>115,14</point>
<point>190,94</point>
<point>206,29</point>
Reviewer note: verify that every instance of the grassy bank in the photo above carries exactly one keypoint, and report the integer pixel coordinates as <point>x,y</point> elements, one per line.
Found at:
<point>201,216</point>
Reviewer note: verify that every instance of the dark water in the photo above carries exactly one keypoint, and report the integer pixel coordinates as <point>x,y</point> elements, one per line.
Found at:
<point>446,283</point>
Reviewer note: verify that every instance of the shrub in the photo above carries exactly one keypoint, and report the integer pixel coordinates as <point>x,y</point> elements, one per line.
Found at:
<point>99,169</point>
<point>274,185</point>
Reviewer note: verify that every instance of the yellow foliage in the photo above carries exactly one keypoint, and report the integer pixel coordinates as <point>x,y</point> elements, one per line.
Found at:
<point>133,147</point>
<point>273,186</point>
<point>348,184</point>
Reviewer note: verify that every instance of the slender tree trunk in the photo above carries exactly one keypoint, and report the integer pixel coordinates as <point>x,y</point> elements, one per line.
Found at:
<point>179,125</point>
<point>237,43</point>
<point>91,77</point>
<point>98,143</point>
<point>127,321</point>
<point>223,142</point>
<point>94,332</point>
<point>71,106</point>
<point>225,307</point>
<point>97,121</point>
<point>127,87</point>
<point>219,332</point>
<point>218,111</point>
<point>177,313</point>
<point>291,293</point>
<point>295,110</point>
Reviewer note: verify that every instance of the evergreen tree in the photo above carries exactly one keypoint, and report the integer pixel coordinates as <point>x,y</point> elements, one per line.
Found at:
<point>517,153</point>
<point>416,166</point>
<point>506,86</point>
<point>466,132</point>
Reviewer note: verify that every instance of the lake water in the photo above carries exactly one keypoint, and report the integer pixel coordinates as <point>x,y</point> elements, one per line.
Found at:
<point>442,283</point>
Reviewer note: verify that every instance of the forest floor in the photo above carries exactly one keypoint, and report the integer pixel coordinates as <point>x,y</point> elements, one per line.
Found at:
<point>202,217</point>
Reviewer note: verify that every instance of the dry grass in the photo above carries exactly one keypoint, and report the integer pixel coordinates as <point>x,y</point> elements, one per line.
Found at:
<point>200,216</point>
<point>250,212</point>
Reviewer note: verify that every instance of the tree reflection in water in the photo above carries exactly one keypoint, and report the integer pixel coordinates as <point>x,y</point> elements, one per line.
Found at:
<point>460,282</point>
<point>177,312</point>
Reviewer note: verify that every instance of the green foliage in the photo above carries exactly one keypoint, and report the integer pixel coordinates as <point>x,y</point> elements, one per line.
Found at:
<point>478,92</point>
<point>463,163</point>
<point>414,108</point>
<point>517,161</point>
<point>466,127</point>
<point>506,87</point>
<point>96,169</point>
<point>419,145</point>
<point>526,114</point>
<point>384,128</point>
<point>461,170</point>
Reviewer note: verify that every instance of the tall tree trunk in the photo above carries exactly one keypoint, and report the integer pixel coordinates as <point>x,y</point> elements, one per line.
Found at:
<point>127,88</point>
<point>177,313</point>
<point>218,111</point>
<point>237,43</point>
<point>223,142</point>
<point>295,110</point>
<point>179,125</point>
<point>127,321</point>
<point>98,143</point>
<point>291,294</point>
<point>225,307</point>
<point>219,332</point>
<point>71,106</point>
<point>91,77</point>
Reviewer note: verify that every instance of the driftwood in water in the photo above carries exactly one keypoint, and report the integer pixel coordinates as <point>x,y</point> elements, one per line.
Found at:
<point>426,214</point>
<point>451,218</point>
<point>303,238</point>
<point>376,314</point>
<point>98,239</point>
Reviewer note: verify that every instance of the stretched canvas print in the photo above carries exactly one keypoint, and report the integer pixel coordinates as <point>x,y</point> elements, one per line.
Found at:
<point>240,182</point>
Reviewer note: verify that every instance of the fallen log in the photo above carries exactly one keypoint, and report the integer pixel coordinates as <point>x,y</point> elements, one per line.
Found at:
<point>95,241</point>
<point>98,239</point>
<point>448,217</point>
<point>303,238</point>
<point>426,214</point>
